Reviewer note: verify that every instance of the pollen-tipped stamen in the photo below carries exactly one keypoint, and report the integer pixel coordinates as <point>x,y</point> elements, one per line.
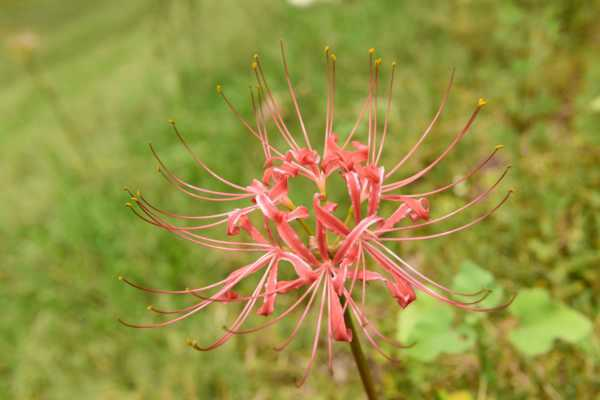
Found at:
<point>387,113</point>
<point>427,130</point>
<point>425,170</point>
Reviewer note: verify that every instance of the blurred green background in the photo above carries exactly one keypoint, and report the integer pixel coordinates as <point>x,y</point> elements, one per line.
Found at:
<point>86,85</point>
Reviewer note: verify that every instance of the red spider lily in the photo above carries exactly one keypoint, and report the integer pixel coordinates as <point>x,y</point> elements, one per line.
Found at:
<point>340,257</point>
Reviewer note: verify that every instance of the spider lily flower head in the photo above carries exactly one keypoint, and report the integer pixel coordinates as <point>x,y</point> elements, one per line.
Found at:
<point>332,260</point>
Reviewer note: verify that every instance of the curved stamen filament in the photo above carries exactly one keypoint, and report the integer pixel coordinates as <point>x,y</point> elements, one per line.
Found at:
<point>302,317</point>
<point>293,95</point>
<point>387,114</point>
<point>481,196</point>
<point>200,305</point>
<point>180,184</point>
<point>241,317</point>
<point>454,230</point>
<point>419,275</point>
<point>274,106</point>
<point>200,239</point>
<point>472,172</point>
<point>188,217</point>
<point>200,162</point>
<point>437,115</point>
<point>366,323</point>
<point>370,339</point>
<point>454,142</point>
<point>315,345</point>
<point>375,103</point>
<point>284,314</point>
<point>356,124</point>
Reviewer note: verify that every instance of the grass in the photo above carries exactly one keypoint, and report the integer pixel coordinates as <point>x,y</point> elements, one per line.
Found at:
<point>118,71</point>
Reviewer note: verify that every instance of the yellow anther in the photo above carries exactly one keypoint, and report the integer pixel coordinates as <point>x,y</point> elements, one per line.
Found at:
<point>372,50</point>
<point>219,89</point>
<point>120,277</point>
<point>499,146</point>
<point>149,308</point>
<point>254,65</point>
<point>255,56</point>
<point>171,121</point>
<point>394,64</point>
<point>333,58</point>
<point>482,102</point>
<point>326,49</point>
<point>378,61</point>
<point>128,204</point>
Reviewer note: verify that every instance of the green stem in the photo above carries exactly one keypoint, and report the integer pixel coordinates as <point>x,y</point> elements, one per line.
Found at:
<point>359,358</point>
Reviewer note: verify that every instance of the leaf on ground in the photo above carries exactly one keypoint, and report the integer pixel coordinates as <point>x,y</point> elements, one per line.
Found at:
<point>429,325</point>
<point>471,278</point>
<point>543,320</point>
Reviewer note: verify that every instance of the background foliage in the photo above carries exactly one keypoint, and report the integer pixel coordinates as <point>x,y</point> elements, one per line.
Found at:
<point>86,85</point>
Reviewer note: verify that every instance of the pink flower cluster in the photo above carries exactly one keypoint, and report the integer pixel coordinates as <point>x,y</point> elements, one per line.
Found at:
<point>332,258</point>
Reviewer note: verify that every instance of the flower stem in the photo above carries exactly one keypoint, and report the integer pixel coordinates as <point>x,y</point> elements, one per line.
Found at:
<point>359,358</point>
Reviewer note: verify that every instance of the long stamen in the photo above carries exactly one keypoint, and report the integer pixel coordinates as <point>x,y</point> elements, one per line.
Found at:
<point>390,266</point>
<point>353,282</point>
<point>366,323</point>
<point>356,124</point>
<point>293,95</point>
<point>387,114</point>
<point>200,306</point>
<point>375,106</point>
<point>332,111</point>
<point>261,132</point>
<point>200,239</point>
<point>175,180</point>
<point>364,283</point>
<point>329,328</point>
<point>481,196</point>
<point>483,292</point>
<point>237,114</point>
<point>427,130</point>
<point>315,345</point>
<point>162,291</point>
<point>370,101</point>
<point>457,139</point>
<point>187,217</point>
<point>454,230</point>
<point>200,162</point>
<point>311,289</point>
<point>327,52</point>
<point>275,109</point>
<point>302,317</point>
<point>241,317</point>
<point>472,172</point>
<point>370,339</point>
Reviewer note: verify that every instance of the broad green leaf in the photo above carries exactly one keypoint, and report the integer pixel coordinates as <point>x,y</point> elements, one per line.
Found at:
<point>428,324</point>
<point>471,278</point>
<point>542,321</point>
